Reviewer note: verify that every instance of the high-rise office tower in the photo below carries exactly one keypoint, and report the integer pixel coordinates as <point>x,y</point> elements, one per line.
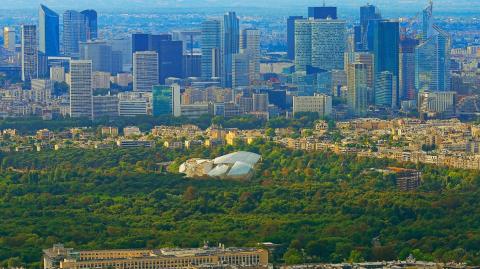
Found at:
<point>9,38</point>
<point>90,17</point>
<point>240,70</point>
<point>210,42</point>
<point>230,45</point>
<point>320,44</point>
<point>139,42</point>
<point>49,33</point>
<point>427,21</point>
<point>367,59</point>
<point>432,62</point>
<point>74,32</point>
<point>251,46</point>
<point>291,36</point>
<point>29,52</point>
<point>166,100</point>
<point>357,99</point>
<point>303,45</point>
<point>322,13</point>
<point>386,91</point>
<point>386,52</point>
<point>407,69</point>
<point>81,89</point>
<point>100,53</point>
<point>328,44</point>
<point>145,70</point>
<point>170,56</point>
<point>367,14</point>
<point>432,56</point>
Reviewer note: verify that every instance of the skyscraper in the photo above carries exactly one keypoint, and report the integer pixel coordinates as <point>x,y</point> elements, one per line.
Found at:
<point>432,62</point>
<point>432,56</point>
<point>322,13</point>
<point>386,92</point>
<point>368,13</point>
<point>357,88</point>
<point>240,65</point>
<point>29,52</point>
<point>166,100</point>
<point>100,53</point>
<point>251,46</point>
<point>90,17</point>
<point>170,56</point>
<point>230,45</point>
<point>9,38</point>
<point>211,39</point>
<point>386,53</point>
<point>49,39</point>
<point>291,36</point>
<point>319,44</point>
<point>74,32</point>
<point>139,42</point>
<point>81,89</point>
<point>407,69</point>
<point>145,70</point>
<point>427,21</point>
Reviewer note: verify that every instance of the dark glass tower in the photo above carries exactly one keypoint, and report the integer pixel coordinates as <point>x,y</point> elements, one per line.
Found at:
<point>291,36</point>
<point>367,14</point>
<point>91,22</point>
<point>322,13</point>
<point>386,39</point>
<point>230,46</point>
<point>49,33</point>
<point>170,53</point>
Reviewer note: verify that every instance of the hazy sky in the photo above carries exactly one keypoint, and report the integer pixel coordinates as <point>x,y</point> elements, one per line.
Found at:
<point>403,5</point>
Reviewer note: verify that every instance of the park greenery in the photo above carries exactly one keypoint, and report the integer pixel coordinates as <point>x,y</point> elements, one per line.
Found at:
<point>318,206</point>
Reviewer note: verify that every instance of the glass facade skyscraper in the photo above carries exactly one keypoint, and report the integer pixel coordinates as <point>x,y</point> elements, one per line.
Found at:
<point>432,63</point>
<point>49,33</point>
<point>29,52</point>
<point>230,45</point>
<point>90,17</point>
<point>386,56</point>
<point>291,36</point>
<point>74,32</point>
<point>210,43</point>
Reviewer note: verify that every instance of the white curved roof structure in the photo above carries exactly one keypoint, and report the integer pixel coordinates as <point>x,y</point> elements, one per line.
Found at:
<point>240,156</point>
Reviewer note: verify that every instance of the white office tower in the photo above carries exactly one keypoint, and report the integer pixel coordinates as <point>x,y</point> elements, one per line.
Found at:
<point>57,73</point>
<point>250,45</point>
<point>29,52</point>
<point>81,89</point>
<point>145,71</point>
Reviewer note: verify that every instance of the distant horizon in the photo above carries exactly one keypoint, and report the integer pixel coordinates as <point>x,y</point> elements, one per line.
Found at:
<point>386,6</point>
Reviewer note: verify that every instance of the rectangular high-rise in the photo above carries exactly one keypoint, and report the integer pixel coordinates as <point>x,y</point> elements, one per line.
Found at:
<point>145,70</point>
<point>407,69</point>
<point>29,52</point>
<point>386,52</point>
<point>320,44</point>
<point>49,33</point>
<point>81,89</point>
<point>251,46</point>
<point>90,17</point>
<point>170,56</point>
<point>357,94</point>
<point>291,36</point>
<point>210,43</point>
<point>74,32</point>
<point>230,45</point>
